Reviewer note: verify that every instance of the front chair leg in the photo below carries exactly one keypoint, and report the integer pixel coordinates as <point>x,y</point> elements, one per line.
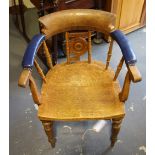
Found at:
<point>48,127</point>
<point>116,124</point>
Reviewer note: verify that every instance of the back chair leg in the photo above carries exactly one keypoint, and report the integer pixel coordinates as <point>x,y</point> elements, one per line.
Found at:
<point>116,124</point>
<point>48,127</point>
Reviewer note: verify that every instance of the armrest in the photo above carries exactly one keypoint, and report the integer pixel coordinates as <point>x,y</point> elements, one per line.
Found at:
<point>128,54</point>
<point>30,53</point>
<point>123,43</point>
<point>24,77</point>
<point>134,73</point>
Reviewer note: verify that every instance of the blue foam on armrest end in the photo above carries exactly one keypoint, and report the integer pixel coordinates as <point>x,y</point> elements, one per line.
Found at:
<point>31,50</point>
<point>127,51</point>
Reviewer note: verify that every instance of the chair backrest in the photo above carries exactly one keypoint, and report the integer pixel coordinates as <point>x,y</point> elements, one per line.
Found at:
<point>77,19</point>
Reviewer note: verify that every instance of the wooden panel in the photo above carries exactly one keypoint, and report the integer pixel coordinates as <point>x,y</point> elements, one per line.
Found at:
<point>131,14</point>
<point>76,4</point>
<point>77,45</point>
<point>116,6</point>
<point>143,17</point>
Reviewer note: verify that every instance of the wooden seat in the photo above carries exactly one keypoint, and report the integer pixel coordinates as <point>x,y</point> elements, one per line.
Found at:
<point>80,91</point>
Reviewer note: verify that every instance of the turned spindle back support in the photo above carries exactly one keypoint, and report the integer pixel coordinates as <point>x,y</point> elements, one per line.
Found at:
<point>47,55</point>
<point>109,54</point>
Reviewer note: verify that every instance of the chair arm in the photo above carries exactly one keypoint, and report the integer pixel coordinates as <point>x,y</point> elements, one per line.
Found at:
<point>31,50</point>
<point>134,73</point>
<point>128,54</point>
<point>24,77</point>
<point>130,60</point>
<point>123,43</point>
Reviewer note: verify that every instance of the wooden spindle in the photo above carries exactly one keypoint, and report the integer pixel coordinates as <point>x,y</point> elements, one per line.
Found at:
<point>67,47</point>
<point>123,96</point>
<point>116,125</point>
<point>47,55</point>
<point>39,70</point>
<point>24,77</point>
<point>119,67</point>
<point>34,90</point>
<point>109,54</point>
<point>48,127</point>
<point>89,47</point>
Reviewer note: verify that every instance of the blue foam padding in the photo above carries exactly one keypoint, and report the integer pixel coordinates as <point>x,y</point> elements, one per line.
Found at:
<point>31,50</point>
<point>127,51</point>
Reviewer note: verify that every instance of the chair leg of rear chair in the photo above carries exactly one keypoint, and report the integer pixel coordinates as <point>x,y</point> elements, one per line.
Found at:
<point>48,127</point>
<point>116,124</point>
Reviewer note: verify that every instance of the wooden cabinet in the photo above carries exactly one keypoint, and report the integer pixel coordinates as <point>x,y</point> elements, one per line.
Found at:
<point>76,4</point>
<point>130,14</point>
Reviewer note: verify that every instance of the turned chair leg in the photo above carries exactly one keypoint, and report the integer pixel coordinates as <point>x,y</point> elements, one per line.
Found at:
<point>116,124</point>
<point>48,127</point>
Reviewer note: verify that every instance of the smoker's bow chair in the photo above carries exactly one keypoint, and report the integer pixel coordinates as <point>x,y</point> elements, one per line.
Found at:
<point>83,90</point>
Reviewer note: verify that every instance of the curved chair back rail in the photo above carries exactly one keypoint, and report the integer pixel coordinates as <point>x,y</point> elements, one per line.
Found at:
<point>77,19</point>
<point>126,49</point>
<point>31,50</point>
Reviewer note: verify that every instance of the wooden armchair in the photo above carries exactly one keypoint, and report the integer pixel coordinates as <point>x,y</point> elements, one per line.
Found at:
<point>79,90</point>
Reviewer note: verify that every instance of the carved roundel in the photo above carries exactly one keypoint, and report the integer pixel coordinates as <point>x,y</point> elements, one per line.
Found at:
<point>78,46</point>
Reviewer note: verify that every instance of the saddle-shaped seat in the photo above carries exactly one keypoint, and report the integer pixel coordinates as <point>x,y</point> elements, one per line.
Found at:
<point>80,91</point>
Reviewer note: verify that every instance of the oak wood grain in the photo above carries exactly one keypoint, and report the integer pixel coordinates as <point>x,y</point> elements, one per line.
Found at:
<point>83,90</point>
<point>77,45</point>
<point>116,125</point>
<point>126,88</point>
<point>89,47</point>
<point>48,127</point>
<point>67,46</point>
<point>119,67</point>
<point>130,15</point>
<point>77,19</point>
<point>109,53</point>
<point>134,73</point>
<point>34,90</point>
<point>80,91</point>
<point>47,55</point>
<point>24,77</point>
